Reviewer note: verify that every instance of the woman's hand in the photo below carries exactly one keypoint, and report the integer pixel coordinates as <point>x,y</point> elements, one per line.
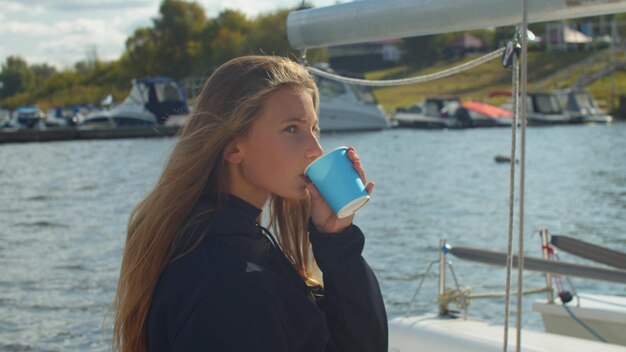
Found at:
<point>322,216</point>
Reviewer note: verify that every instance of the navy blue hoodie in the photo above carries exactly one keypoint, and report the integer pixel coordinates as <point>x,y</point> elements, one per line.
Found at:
<point>236,291</point>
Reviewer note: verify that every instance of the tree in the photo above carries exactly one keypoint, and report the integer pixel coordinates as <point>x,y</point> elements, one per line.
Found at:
<point>425,50</point>
<point>177,32</point>
<point>16,77</point>
<point>174,44</point>
<point>269,34</point>
<point>228,44</point>
<point>43,71</point>
<point>234,20</point>
<point>141,52</point>
<point>486,35</point>
<point>231,29</point>
<point>502,35</point>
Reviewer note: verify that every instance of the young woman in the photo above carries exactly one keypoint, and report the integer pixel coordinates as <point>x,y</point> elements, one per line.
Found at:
<point>199,272</point>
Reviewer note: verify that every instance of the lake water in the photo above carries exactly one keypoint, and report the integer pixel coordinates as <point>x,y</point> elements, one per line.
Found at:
<point>64,208</point>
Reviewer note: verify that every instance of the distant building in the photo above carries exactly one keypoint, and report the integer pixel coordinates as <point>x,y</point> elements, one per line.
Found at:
<point>464,43</point>
<point>562,36</point>
<point>365,56</point>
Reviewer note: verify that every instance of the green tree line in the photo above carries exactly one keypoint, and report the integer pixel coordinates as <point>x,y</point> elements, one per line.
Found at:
<point>183,42</point>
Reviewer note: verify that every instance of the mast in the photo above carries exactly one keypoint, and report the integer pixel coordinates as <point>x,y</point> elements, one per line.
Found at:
<point>363,21</point>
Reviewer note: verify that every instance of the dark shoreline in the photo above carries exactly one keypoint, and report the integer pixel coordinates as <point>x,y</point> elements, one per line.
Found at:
<point>79,133</point>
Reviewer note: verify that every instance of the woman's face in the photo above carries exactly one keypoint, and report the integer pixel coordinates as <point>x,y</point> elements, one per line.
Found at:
<point>280,144</point>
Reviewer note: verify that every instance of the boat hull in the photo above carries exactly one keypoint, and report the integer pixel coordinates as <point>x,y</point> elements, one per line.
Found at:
<point>120,118</point>
<point>432,333</point>
<point>605,315</point>
<point>351,118</point>
<point>410,120</point>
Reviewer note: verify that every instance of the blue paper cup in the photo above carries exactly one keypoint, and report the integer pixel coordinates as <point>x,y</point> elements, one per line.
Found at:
<point>336,179</point>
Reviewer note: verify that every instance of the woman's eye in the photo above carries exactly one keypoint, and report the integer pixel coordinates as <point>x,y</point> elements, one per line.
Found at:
<point>291,129</point>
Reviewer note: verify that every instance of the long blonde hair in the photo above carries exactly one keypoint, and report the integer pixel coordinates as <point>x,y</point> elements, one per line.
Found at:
<point>225,108</point>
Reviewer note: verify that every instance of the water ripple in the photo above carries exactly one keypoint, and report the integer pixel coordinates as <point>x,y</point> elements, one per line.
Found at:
<point>15,348</point>
<point>42,223</point>
<point>62,235</point>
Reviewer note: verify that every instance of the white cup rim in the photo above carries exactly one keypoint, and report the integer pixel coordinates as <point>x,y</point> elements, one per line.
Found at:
<point>353,206</point>
<point>316,160</point>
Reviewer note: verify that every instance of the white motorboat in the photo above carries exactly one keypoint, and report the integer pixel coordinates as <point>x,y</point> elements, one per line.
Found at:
<point>348,108</point>
<point>604,315</point>
<point>432,113</point>
<point>5,117</point>
<point>28,117</point>
<point>544,109</point>
<point>434,333</point>
<point>581,107</point>
<point>151,101</point>
<point>415,118</point>
<point>450,112</point>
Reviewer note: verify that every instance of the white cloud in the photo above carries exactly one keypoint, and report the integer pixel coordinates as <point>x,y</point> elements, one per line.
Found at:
<point>81,35</point>
<point>24,28</point>
<point>60,32</point>
<point>12,6</point>
<point>81,5</point>
<point>22,7</point>
<point>63,43</point>
<point>255,7</point>
<point>249,7</point>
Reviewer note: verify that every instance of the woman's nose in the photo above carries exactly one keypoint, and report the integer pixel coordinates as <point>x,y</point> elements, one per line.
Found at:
<point>315,150</point>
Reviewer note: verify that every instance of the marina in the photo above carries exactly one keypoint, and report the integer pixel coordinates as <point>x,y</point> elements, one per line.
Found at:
<point>157,107</point>
<point>66,205</point>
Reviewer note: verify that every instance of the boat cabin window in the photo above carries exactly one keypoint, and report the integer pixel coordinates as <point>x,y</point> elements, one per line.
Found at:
<point>545,104</point>
<point>577,101</point>
<point>98,121</point>
<point>138,95</point>
<point>441,108</point>
<point>563,100</point>
<point>365,94</point>
<point>330,88</point>
<point>416,109</point>
<point>431,108</point>
<point>585,102</point>
<point>168,92</point>
<point>449,108</point>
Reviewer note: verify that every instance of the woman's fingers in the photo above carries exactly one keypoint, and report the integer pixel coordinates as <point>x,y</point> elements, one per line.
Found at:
<point>322,215</point>
<point>356,161</point>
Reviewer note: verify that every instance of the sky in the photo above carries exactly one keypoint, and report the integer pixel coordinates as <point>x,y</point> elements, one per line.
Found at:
<point>63,32</point>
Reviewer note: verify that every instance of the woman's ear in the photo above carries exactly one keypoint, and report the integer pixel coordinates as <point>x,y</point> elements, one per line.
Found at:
<point>233,152</point>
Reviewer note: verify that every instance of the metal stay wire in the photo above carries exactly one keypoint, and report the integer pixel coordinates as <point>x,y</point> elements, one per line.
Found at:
<point>519,82</point>
<point>411,80</point>
<point>509,258</point>
<point>520,245</point>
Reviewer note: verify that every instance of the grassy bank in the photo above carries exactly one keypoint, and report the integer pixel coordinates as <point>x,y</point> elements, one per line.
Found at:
<point>546,71</point>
